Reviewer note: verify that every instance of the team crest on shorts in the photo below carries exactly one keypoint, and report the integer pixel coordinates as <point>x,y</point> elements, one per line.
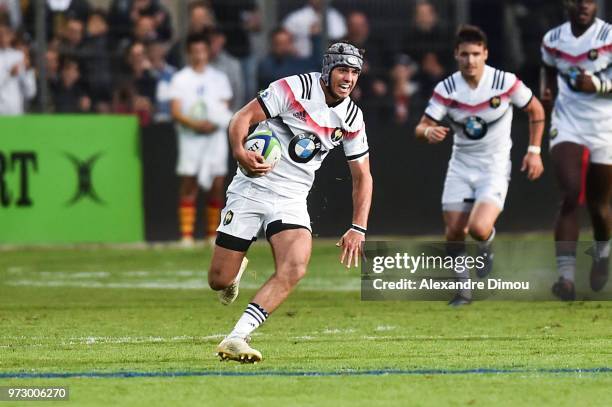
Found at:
<point>593,54</point>
<point>495,102</point>
<point>475,128</point>
<point>303,147</point>
<point>229,216</point>
<point>337,135</point>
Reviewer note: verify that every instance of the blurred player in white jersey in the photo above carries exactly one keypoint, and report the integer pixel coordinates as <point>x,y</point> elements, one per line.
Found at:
<point>577,60</point>
<point>200,96</point>
<point>310,114</point>
<point>478,101</point>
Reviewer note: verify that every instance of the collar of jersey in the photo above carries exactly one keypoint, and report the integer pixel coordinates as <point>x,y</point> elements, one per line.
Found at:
<point>483,79</point>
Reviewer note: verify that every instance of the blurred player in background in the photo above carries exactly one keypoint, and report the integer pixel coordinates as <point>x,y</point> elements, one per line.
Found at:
<point>577,76</point>
<point>478,101</point>
<point>310,114</point>
<point>17,78</point>
<point>200,96</point>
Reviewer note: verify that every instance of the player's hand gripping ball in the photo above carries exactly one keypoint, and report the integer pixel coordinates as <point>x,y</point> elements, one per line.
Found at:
<point>265,143</point>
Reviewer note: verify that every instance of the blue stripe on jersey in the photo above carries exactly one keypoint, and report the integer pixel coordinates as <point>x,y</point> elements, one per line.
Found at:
<point>446,86</point>
<point>555,35</point>
<point>607,31</point>
<point>449,84</point>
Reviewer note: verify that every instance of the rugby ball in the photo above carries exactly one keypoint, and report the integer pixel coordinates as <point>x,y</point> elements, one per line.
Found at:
<point>266,144</point>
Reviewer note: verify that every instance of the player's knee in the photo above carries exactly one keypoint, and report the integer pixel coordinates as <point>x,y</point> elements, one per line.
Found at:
<point>216,279</point>
<point>291,273</point>
<point>570,200</point>
<point>480,230</point>
<point>455,233</point>
<point>599,208</point>
<point>189,187</point>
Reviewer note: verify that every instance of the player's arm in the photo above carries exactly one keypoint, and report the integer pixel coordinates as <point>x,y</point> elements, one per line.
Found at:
<point>532,162</point>
<point>430,131</point>
<point>200,126</point>
<point>352,240</point>
<point>589,83</point>
<point>548,87</point>
<point>251,114</point>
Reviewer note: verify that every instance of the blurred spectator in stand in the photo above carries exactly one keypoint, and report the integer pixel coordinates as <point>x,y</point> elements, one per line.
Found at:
<point>306,21</point>
<point>21,43</point>
<point>283,60</point>
<point>97,61</point>
<point>239,19</point>
<point>533,19</point>
<point>358,34</point>
<point>371,88</point>
<point>127,101</point>
<point>17,77</point>
<point>427,34</point>
<point>403,86</point>
<point>52,72</point>
<point>220,59</point>
<point>139,70</point>
<point>52,65</point>
<point>143,31</point>
<point>68,94</point>
<point>162,72</point>
<point>57,12</point>
<point>136,91</point>
<point>71,38</point>
<point>12,10</point>
<point>124,14</point>
<point>430,74</point>
<point>201,19</point>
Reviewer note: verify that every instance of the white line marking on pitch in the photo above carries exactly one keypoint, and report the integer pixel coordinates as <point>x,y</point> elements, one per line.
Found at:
<point>190,284</point>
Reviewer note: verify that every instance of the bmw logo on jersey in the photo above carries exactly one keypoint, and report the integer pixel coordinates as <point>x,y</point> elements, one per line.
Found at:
<point>475,128</point>
<point>303,147</point>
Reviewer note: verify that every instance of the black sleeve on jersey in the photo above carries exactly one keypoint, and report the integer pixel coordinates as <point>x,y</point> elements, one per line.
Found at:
<point>356,156</point>
<point>435,120</point>
<point>264,107</point>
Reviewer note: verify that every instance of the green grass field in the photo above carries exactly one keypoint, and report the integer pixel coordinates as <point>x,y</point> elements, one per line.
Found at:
<point>130,311</point>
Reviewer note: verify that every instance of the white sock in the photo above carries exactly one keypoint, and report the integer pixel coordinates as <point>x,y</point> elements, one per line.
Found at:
<point>253,316</point>
<point>602,249</point>
<point>566,266</point>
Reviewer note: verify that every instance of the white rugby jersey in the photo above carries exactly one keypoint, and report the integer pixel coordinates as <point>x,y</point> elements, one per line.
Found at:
<point>579,112</point>
<point>203,96</point>
<point>481,118</point>
<point>308,129</point>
